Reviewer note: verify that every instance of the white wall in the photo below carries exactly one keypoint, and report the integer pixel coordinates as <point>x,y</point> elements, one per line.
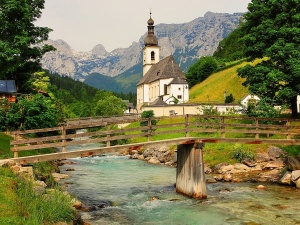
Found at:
<point>182,109</point>
<point>147,62</point>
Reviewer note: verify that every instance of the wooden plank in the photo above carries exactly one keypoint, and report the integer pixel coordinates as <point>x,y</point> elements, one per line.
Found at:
<point>96,151</point>
<point>36,140</point>
<point>38,130</point>
<point>38,146</point>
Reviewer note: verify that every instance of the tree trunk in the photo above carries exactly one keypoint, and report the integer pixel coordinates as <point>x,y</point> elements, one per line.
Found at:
<point>294,106</point>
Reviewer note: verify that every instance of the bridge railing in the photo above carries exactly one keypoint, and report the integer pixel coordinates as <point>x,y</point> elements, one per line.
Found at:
<point>112,131</point>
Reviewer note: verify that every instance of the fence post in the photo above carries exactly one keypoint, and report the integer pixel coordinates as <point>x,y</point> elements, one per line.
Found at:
<point>223,127</point>
<point>63,136</point>
<point>187,130</point>
<point>108,135</point>
<point>288,135</point>
<point>149,129</point>
<point>256,128</point>
<point>16,136</point>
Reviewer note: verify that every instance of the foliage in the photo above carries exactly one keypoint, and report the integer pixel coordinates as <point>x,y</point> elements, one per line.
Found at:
<point>231,48</point>
<point>229,98</point>
<point>40,81</point>
<point>21,41</point>
<point>110,106</point>
<point>202,69</point>
<point>262,109</point>
<point>272,31</point>
<point>147,114</point>
<point>31,113</point>
<point>240,154</point>
<point>292,150</point>
<point>80,100</point>
<point>208,110</point>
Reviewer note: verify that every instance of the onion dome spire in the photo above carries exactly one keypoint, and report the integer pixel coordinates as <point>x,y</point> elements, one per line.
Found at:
<point>150,39</point>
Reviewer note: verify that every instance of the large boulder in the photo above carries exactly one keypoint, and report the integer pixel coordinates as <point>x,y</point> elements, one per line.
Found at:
<point>274,164</point>
<point>286,178</point>
<point>275,153</point>
<point>7,163</point>
<point>295,175</point>
<point>240,168</point>
<point>298,183</point>
<point>225,169</point>
<point>292,163</point>
<point>262,157</point>
<point>154,160</point>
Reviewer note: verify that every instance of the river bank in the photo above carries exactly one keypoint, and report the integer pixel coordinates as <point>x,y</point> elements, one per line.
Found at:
<point>119,190</point>
<point>273,166</point>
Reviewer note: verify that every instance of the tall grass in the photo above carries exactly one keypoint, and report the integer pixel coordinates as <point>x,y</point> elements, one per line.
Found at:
<point>48,208</point>
<point>21,205</point>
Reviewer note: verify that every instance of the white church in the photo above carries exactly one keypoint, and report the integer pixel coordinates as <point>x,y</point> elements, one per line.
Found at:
<point>163,82</point>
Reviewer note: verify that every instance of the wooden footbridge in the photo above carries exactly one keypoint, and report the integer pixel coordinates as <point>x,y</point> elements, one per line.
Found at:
<point>189,133</point>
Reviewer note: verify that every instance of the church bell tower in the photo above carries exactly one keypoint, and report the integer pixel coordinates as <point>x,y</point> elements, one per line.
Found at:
<point>151,49</point>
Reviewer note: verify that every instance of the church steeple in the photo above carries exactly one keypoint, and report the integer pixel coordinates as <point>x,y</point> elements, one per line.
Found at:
<point>151,49</point>
<point>150,39</point>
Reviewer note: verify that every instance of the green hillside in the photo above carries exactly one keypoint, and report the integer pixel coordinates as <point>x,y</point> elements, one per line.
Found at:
<point>128,79</point>
<point>102,82</point>
<point>212,89</point>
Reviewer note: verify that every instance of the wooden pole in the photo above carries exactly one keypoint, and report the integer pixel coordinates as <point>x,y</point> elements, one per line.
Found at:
<point>63,134</point>
<point>288,124</point>
<point>190,177</point>
<point>149,129</point>
<point>187,130</point>
<point>16,136</point>
<point>108,136</point>
<point>256,128</point>
<point>223,127</point>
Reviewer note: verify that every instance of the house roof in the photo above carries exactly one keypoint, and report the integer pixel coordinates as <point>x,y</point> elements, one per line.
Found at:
<point>7,86</point>
<point>158,102</point>
<point>164,69</point>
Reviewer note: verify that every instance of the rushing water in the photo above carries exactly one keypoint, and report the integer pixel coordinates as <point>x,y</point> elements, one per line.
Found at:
<point>129,185</point>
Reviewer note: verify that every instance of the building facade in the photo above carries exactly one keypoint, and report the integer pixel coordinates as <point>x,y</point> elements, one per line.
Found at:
<point>163,82</point>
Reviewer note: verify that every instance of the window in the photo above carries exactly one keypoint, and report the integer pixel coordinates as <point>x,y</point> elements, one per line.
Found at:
<point>152,55</point>
<point>179,96</point>
<point>165,89</point>
<point>179,89</point>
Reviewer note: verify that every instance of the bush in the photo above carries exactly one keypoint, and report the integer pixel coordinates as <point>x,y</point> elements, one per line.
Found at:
<point>263,109</point>
<point>229,98</point>
<point>240,154</point>
<point>147,114</point>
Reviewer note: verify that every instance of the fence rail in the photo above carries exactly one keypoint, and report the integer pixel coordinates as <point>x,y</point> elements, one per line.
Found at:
<point>208,128</point>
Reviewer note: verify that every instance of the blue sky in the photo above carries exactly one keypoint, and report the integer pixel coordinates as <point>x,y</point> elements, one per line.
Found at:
<point>117,23</point>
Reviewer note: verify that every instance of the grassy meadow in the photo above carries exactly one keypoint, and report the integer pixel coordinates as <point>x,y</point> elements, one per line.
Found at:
<point>212,89</point>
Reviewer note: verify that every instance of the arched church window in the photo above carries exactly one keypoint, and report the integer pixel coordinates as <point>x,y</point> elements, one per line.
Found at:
<point>152,55</point>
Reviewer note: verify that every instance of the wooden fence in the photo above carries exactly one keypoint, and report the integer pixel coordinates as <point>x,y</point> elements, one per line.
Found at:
<point>113,131</point>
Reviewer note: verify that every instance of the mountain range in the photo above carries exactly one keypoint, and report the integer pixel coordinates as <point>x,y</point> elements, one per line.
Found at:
<point>121,69</point>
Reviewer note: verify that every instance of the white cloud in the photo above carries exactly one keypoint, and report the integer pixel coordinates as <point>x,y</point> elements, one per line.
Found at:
<point>117,23</point>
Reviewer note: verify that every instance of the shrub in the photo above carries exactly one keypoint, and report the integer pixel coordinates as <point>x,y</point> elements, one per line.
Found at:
<point>240,154</point>
<point>229,98</point>
<point>147,114</point>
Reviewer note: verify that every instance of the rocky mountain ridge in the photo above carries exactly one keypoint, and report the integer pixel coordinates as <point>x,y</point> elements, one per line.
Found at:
<point>187,42</point>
